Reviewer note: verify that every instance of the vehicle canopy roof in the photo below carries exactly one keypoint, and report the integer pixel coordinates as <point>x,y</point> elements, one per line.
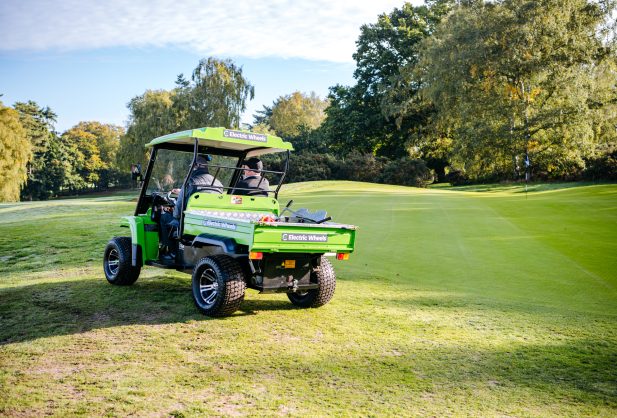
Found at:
<point>228,139</point>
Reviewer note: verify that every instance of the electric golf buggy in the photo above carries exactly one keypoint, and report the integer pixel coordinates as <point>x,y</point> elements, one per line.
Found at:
<point>228,239</point>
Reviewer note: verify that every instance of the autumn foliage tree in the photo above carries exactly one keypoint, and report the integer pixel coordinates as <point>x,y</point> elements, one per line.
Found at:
<point>15,153</point>
<point>92,147</point>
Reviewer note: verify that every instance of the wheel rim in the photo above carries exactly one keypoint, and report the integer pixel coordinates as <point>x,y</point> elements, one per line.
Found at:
<point>208,287</point>
<point>113,262</point>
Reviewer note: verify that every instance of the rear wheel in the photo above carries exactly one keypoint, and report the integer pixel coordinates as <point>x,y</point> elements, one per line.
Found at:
<point>218,285</point>
<point>117,262</point>
<point>324,275</point>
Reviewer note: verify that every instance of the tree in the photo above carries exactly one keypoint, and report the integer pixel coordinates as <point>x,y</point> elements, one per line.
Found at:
<point>93,147</point>
<point>151,115</point>
<point>39,125</point>
<point>373,115</point>
<point>296,112</point>
<point>216,95</point>
<point>15,153</point>
<point>85,155</point>
<point>514,78</point>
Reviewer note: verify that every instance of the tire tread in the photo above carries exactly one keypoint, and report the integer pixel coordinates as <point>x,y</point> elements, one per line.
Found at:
<point>127,273</point>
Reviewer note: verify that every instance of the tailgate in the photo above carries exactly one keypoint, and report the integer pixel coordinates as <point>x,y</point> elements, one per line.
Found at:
<point>304,238</point>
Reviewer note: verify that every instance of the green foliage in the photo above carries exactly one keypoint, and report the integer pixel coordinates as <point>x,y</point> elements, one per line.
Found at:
<point>602,167</point>
<point>151,115</point>
<point>296,112</point>
<point>407,172</point>
<point>379,114</point>
<point>93,147</point>
<point>361,167</point>
<point>516,77</point>
<point>39,125</point>
<point>216,95</point>
<point>15,153</point>
<point>312,166</point>
<point>354,121</point>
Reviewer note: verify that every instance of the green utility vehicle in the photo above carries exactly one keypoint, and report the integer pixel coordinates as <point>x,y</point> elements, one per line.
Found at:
<point>228,238</point>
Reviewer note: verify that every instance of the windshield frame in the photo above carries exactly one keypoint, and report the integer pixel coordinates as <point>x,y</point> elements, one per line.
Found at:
<point>145,199</point>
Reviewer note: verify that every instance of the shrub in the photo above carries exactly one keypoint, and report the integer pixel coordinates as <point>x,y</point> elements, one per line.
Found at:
<point>360,167</point>
<point>602,168</point>
<point>407,172</point>
<point>457,177</point>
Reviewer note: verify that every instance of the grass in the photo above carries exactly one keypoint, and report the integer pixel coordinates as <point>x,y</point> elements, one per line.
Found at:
<point>456,302</point>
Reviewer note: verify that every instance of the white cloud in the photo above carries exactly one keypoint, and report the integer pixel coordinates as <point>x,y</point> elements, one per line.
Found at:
<point>315,30</point>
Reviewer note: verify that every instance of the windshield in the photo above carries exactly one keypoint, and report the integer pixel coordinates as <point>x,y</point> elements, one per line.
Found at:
<point>171,168</point>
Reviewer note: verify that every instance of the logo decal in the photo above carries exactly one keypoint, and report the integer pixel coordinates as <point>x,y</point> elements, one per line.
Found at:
<point>219,225</point>
<point>305,237</point>
<point>228,133</point>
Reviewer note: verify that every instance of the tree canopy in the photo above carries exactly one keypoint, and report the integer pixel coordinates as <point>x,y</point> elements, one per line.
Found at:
<point>374,115</point>
<point>15,154</point>
<point>216,95</point>
<point>516,78</point>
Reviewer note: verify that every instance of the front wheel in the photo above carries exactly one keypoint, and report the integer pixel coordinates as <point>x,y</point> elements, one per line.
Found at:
<point>117,262</point>
<point>324,276</point>
<point>218,285</point>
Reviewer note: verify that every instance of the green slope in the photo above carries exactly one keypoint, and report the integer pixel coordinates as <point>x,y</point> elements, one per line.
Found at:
<point>455,303</point>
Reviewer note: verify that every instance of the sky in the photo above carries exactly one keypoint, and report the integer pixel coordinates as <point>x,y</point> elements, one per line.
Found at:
<point>86,59</point>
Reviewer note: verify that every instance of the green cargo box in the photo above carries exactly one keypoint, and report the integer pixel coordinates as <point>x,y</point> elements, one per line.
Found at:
<point>240,218</point>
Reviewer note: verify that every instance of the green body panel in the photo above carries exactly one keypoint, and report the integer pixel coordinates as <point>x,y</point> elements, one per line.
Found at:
<point>233,203</point>
<point>147,240</point>
<point>227,215</point>
<point>269,238</point>
<point>231,139</point>
<point>238,217</point>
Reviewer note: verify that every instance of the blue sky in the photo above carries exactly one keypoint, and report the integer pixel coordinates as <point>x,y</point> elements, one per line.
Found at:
<point>86,59</point>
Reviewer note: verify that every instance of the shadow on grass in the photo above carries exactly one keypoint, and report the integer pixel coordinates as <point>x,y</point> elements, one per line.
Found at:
<point>70,307</point>
<point>519,187</point>
<point>581,371</point>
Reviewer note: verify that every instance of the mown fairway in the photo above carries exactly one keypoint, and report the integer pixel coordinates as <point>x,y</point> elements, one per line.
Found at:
<point>455,303</point>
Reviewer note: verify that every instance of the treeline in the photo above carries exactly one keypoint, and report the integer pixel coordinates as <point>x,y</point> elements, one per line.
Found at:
<point>37,163</point>
<point>467,91</point>
<point>458,91</point>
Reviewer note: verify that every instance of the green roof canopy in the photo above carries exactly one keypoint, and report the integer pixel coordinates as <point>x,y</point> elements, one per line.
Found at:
<point>229,139</point>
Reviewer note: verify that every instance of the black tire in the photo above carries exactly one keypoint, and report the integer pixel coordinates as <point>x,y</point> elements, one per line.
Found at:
<point>117,262</point>
<point>218,285</point>
<point>324,275</point>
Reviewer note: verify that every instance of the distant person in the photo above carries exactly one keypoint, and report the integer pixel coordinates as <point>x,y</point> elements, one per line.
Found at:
<point>136,172</point>
<point>200,180</point>
<point>252,183</point>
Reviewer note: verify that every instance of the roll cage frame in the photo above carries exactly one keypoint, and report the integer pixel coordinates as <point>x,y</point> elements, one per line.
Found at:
<point>145,200</point>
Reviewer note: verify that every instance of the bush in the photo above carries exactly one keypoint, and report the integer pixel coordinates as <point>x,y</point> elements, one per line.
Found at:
<point>360,167</point>
<point>602,168</point>
<point>407,172</point>
<point>306,166</point>
<point>310,167</point>
<point>457,177</point>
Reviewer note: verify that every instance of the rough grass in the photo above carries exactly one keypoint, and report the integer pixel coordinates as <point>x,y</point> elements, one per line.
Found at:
<point>456,302</point>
